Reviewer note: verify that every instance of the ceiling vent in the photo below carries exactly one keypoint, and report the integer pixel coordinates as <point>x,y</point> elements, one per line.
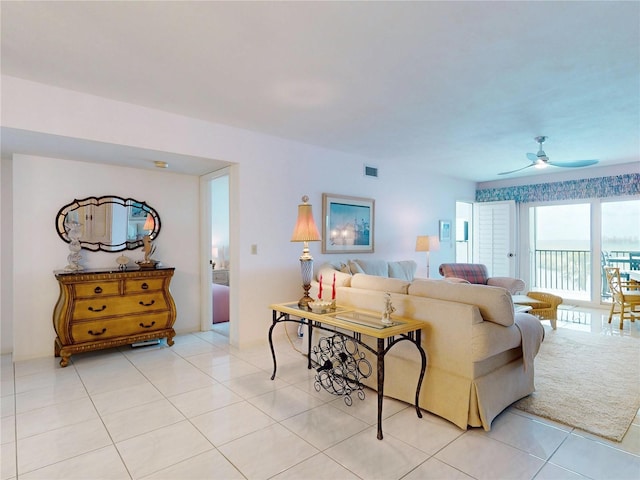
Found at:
<point>370,171</point>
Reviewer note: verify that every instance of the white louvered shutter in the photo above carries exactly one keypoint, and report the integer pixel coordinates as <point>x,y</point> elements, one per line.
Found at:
<point>495,232</point>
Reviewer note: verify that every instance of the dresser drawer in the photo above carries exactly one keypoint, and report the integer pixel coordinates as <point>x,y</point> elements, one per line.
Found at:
<point>108,307</point>
<point>97,330</point>
<point>93,289</point>
<point>221,277</point>
<point>142,285</point>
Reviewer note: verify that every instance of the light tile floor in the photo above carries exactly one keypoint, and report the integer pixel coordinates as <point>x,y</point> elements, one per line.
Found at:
<point>202,409</point>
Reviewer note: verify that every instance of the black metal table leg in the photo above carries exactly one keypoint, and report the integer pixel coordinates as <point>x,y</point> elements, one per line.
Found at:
<point>422,369</point>
<point>310,333</point>
<point>273,351</point>
<point>380,356</point>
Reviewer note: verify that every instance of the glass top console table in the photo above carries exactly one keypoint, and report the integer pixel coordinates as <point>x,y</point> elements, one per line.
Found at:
<point>357,323</point>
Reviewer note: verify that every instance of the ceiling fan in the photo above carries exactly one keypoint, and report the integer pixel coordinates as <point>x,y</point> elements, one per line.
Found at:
<point>540,160</point>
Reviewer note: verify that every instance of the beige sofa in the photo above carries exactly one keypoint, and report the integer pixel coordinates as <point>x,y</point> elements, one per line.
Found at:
<point>480,353</point>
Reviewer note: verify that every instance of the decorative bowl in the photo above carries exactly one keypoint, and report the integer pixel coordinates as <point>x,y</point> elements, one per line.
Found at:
<point>320,306</point>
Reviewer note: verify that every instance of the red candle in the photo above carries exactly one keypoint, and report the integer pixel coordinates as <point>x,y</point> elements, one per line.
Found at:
<point>333,288</point>
<point>320,290</point>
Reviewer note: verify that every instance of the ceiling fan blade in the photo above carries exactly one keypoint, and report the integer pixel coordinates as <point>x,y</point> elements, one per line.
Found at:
<point>514,171</point>
<point>532,156</point>
<point>577,163</point>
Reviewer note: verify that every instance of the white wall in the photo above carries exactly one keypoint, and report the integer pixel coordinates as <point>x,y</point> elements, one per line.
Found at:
<point>6,256</point>
<point>267,181</point>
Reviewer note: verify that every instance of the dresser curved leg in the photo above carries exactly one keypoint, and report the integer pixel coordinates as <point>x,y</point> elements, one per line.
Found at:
<point>170,339</point>
<point>64,361</point>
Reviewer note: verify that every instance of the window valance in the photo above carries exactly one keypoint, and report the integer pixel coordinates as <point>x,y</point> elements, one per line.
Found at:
<point>601,187</point>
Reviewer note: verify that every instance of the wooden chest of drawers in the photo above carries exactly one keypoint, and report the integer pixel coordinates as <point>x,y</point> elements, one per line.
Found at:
<point>104,309</point>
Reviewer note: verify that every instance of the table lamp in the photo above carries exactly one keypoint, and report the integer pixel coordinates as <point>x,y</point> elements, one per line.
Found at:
<point>427,243</point>
<point>305,231</point>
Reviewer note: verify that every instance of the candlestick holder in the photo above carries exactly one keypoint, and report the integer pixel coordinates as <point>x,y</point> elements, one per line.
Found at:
<point>74,257</point>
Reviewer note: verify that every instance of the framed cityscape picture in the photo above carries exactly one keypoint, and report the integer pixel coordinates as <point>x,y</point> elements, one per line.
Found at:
<point>347,224</point>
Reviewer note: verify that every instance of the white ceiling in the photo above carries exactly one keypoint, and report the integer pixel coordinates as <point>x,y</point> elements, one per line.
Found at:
<point>461,86</point>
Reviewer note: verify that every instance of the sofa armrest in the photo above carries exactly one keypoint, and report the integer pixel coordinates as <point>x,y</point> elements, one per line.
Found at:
<point>513,285</point>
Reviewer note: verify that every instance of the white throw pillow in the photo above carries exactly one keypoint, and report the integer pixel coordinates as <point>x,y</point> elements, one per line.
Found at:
<point>405,269</point>
<point>373,267</point>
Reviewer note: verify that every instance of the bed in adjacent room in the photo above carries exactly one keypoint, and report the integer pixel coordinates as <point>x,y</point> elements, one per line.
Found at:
<point>220,297</point>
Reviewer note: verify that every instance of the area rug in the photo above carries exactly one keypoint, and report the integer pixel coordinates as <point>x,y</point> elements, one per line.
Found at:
<point>587,381</point>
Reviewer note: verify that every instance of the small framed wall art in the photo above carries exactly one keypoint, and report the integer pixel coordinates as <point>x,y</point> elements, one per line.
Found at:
<point>445,231</point>
<point>347,224</point>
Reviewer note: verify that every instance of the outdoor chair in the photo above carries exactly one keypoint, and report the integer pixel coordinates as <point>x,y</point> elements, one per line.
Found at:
<point>604,262</point>
<point>543,305</point>
<point>624,295</point>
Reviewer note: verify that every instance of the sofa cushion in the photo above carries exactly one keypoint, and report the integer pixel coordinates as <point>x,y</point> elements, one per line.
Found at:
<point>405,269</point>
<point>354,267</point>
<point>327,271</point>
<point>489,339</point>
<point>344,268</point>
<point>494,303</point>
<point>373,267</point>
<point>381,284</point>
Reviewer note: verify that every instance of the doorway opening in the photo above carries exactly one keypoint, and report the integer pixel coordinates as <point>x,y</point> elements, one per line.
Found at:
<point>464,246</point>
<point>219,260</point>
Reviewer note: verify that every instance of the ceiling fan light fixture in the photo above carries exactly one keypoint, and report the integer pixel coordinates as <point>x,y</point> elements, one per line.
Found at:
<point>540,164</point>
<point>540,160</point>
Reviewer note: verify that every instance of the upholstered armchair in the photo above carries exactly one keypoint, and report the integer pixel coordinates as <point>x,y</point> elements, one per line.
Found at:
<point>477,273</point>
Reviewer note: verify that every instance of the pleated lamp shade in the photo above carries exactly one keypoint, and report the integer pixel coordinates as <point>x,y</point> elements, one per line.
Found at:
<point>305,229</point>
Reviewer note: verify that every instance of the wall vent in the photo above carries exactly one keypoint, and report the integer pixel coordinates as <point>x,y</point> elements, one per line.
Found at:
<point>370,171</point>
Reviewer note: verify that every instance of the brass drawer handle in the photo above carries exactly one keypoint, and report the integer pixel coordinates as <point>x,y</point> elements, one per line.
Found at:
<point>147,326</point>
<point>91,332</point>
<point>146,304</point>
<point>91,309</point>
<point>97,290</point>
<point>145,286</point>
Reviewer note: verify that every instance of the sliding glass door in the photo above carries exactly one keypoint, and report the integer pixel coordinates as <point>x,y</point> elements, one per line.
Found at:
<point>569,245</point>
<point>620,238</point>
<point>560,256</point>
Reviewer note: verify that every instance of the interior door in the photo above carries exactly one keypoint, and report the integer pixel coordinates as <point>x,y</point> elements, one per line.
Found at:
<point>495,237</point>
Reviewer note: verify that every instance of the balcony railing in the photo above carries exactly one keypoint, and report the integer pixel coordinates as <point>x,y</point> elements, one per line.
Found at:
<point>566,270</point>
<point>569,271</point>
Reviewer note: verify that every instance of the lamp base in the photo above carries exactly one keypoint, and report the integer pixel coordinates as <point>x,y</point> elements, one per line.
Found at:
<point>304,302</point>
<point>306,299</point>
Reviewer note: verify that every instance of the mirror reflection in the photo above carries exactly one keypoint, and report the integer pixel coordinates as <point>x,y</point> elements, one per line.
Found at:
<point>109,223</point>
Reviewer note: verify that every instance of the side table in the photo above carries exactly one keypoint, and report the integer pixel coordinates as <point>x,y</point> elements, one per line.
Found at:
<point>359,323</point>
